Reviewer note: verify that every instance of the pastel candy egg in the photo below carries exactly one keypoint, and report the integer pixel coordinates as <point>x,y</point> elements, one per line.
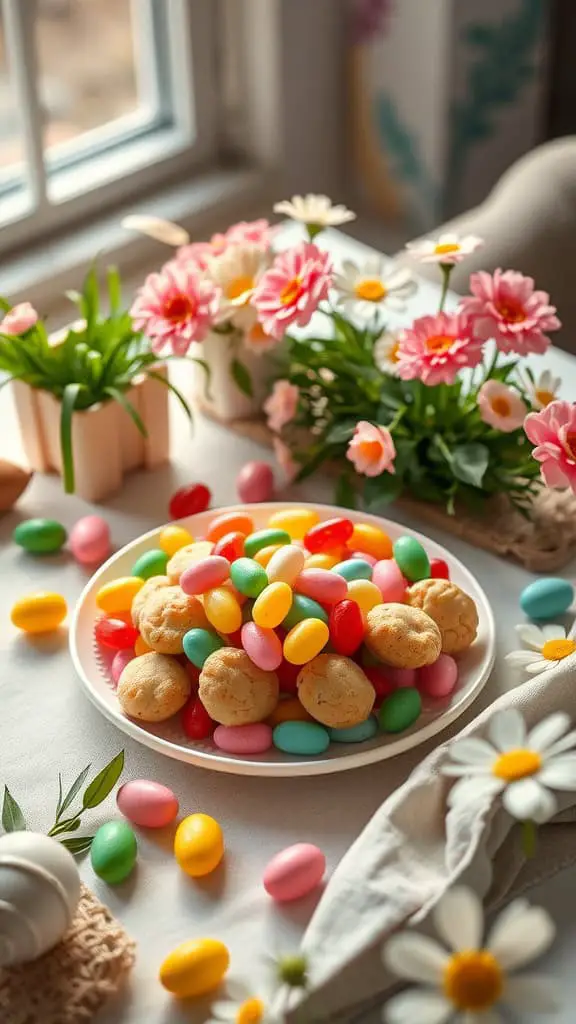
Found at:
<point>205,575</point>
<point>113,852</point>
<point>148,804</point>
<point>119,662</point>
<point>304,608</point>
<point>545,598</point>
<point>39,613</point>
<point>297,521</point>
<point>354,569</point>
<point>365,593</point>
<point>400,710</point>
<point>305,641</point>
<point>222,610</point>
<point>294,872</point>
<point>390,581</point>
<point>255,482</point>
<point>263,539</point>
<point>355,733</point>
<point>321,585</point>
<point>440,678</point>
<point>40,536</point>
<point>307,738</point>
<point>199,644</point>
<point>371,540</point>
<point>151,563</point>
<point>172,538</point>
<point>248,576</point>
<point>198,845</point>
<point>90,540</point>
<point>262,646</point>
<point>285,564</point>
<point>194,968</point>
<point>243,739</point>
<point>411,559</point>
<point>117,596</point>
<point>272,605</point>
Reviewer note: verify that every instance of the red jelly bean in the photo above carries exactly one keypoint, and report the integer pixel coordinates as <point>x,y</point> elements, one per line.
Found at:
<point>346,627</point>
<point>380,681</point>
<point>189,500</point>
<point>327,535</point>
<point>287,676</point>
<point>439,569</point>
<point>230,546</point>
<point>117,634</point>
<point>196,721</point>
<point>193,672</point>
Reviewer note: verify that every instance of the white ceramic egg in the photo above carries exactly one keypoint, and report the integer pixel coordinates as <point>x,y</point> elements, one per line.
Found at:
<point>39,893</point>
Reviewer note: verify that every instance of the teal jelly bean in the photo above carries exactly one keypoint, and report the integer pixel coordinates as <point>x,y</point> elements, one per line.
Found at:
<point>306,738</point>
<point>263,539</point>
<point>411,559</point>
<point>199,644</point>
<point>248,576</point>
<point>151,563</point>
<point>113,852</point>
<point>400,710</point>
<point>356,733</point>
<point>546,598</point>
<point>354,569</point>
<point>40,536</point>
<point>304,608</point>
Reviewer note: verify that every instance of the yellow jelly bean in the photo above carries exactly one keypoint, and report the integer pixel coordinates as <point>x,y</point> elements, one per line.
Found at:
<point>195,968</point>
<point>198,845</point>
<point>272,605</point>
<point>366,594</point>
<point>305,641</point>
<point>117,596</point>
<point>222,610</point>
<point>141,647</point>
<point>173,538</point>
<point>296,521</point>
<point>39,613</point>
<point>371,540</point>
<point>322,561</point>
<point>265,554</point>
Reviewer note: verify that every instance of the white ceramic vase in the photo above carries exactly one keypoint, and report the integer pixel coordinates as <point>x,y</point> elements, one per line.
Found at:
<point>226,401</point>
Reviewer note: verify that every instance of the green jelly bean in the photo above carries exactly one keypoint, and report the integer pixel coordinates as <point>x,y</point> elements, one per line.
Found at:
<point>304,608</point>
<point>199,644</point>
<point>306,738</point>
<point>412,559</point>
<point>248,576</point>
<point>151,563</point>
<point>263,539</point>
<point>40,536</point>
<point>400,710</point>
<point>113,852</point>
<point>355,733</point>
<point>354,569</point>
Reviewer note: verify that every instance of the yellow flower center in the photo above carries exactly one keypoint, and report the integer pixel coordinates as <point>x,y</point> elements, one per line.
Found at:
<point>473,980</point>
<point>512,311</point>
<point>517,764</point>
<point>439,343</point>
<point>501,405</point>
<point>239,286</point>
<point>291,292</point>
<point>555,650</point>
<point>446,248</point>
<point>250,1012</point>
<point>393,353</point>
<point>371,290</point>
<point>544,397</point>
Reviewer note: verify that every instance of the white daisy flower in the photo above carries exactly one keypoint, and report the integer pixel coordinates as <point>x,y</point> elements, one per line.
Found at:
<point>315,210</point>
<point>544,389</point>
<point>548,645</point>
<point>385,352</point>
<point>376,284</point>
<point>466,980</point>
<point>236,273</point>
<point>448,248</point>
<point>242,1007</point>
<point>158,228</point>
<point>522,766</point>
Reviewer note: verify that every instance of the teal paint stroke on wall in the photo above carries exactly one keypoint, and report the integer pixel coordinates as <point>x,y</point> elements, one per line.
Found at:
<point>504,65</point>
<point>407,166</point>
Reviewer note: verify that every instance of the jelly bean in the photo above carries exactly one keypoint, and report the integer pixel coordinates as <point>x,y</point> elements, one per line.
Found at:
<point>205,575</point>
<point>401,677</point>
<point>440,678</point>
<point>240,598</point>
<point>115,634</point>
<point>389,579</point>
<point>412,559</point>
<point>263,539</point>
<point>294,872</point>
<point>147,804</point>
<point>346,627</point>
<point>272,605</point>
<point>364,557</point>
<point>90,540</point>
<point>327,535</point>
<point>151,563</point>
<point>172,538</point>
<point>378,676</point>
<point>365,594</point>
<point>307,738</point>
<point>229,522</point>
<point>297,521</point>
<point>39,613</point>
<point>199,644</point>
<point>255,482</point>
<point>547,597</point>
<point>248,577</point>
<point>244,739</point>
<point>285,564</point>
<point>304,608</point>
<point>192,672</point>
<point>198,845</point>
<point>400,710</point>
<point>354,569</point>
<point>189,500</point>
<point>117,596</point>
<point>195,968</point>
<point>119,662</point>
<point>305,641</point>
<point>439,569</point>
<point>290,710</point>
<point>196,721</point>
<point>288,676</point>
<point>355,733</point>
<point>230,546</point>
<point>222,610</point>
<point>113,852</point>
<point>321,561</point>
<point>371,540</point>
<point>40,536</point>
<point>262,646</point>
<point>141,647</point>
<point>265,554</point>
<point>321,585</point>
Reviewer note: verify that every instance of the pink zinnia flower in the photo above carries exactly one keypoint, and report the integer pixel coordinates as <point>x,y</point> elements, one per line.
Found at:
<point>506,307</point>
<point>19,319</point>
<point>435,348</point>
<point>371,449</point>
<point>501,407</point>
<point>280,407</point>
<point>252,232</point>
<point>175,307</point>
<point>290,291</point>
<point>198,254</point>
<point>284,459</point>
<point>553,431</point>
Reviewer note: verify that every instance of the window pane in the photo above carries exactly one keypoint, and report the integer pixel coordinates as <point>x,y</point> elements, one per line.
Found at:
<point>11,144</point>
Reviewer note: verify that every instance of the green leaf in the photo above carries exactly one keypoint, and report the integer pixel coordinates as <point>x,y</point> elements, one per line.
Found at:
<point>241,377</point>
<point>12,817</point>
<point>345,492</point>
<point>64,803</point>
<point>69,398</point>
<point>90,301</point>
<point>69,825</point>
<point>340,432</point>
<point>104,782</point>
<point>114,290</point>
<point>175,391</point>
<point>78,846</point>
<point>381,490</point>
<point>313,463</point>
<point>470,462</point>
<point>126,404</point>
<point>208,372</point>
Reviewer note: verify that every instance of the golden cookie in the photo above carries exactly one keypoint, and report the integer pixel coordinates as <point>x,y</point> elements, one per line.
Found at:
<point>150,587</point>
<point>234,690</point>
<point>167,616</point>
<point>335,691</point>
<point>402,636</point>
<point>185,557</point>
<point>153,687</point>
<point>453,611</point>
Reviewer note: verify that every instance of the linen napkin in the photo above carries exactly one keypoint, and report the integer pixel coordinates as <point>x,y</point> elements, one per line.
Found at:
<point>414,848</point>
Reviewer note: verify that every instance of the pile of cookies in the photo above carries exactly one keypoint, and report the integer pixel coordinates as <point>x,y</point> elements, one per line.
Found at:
<point>290,636</point>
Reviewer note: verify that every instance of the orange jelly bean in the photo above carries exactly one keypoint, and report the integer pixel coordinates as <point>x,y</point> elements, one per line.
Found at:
<point>229,522</point>
<point>290,710</point>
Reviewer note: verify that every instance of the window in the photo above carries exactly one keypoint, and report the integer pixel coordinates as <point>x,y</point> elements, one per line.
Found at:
<point>100,100</point>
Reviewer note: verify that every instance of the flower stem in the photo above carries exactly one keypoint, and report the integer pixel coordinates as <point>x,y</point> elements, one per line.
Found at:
<point>446,269</point>
<point>528,839</point>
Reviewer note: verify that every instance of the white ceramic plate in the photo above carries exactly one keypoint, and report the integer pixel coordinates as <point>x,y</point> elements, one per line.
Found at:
<point>168,738</point>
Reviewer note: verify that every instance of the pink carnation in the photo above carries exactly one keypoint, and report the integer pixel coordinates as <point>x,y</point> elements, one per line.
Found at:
<point>290,291</point>
<point>506,307</point>
<point>197,255</point>
<point>19,319</point>
<point>553,432</point>
<point>371,449</point>
<point>501,406</point>
<point>175,307</point>
<point>280,407</point>
<point>435,348</point>
<point>252,232</point>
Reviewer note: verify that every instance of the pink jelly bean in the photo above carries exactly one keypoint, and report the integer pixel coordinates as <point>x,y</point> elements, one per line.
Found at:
<point>401,677</point>
<point>119,662</point>
<point>243,739</point>
<point>390,581</point>
<point>205,574</point>
<point>322,585</point>
<point>262,646</point>
<point>363,557</point>
<point>440,678</point>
